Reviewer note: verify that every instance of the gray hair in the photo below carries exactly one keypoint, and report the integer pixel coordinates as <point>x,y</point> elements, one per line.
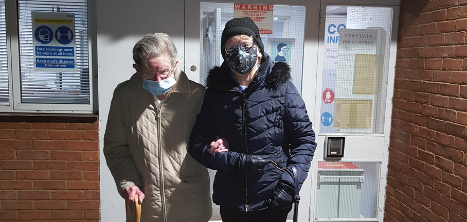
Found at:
<point>152,45</point>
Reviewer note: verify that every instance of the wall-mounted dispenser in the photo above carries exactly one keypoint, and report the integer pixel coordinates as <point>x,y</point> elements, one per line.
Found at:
<point>334,147</point>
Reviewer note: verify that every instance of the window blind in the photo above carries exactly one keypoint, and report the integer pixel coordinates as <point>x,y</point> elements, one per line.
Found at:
<point>4,92</point>
<point>49,87</point>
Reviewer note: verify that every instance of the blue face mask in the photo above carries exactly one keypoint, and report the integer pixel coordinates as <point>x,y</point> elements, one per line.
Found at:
<point>159,88</point>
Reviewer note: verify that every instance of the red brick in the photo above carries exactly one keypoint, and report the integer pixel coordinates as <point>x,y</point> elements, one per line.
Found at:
<point>83,165</point>
<point>34,215</point>
<point>453,64</point>
<point>403,63</point>
<point>83,185</point>
<point>458,104</point>
<point>91,155</point>
<point>65,134</point>
<point>83,145</point>
<point>442,187</point>
<point>407,95</point>
<point>32,155</point>
<point>437,16</point>
<point>411,129</point>
<point>66,175</point>
<point>444,51</point>
<point>91,135</point>
<point>464,91</point>
<point>460,170</point>
<point>427,133</point>
<point>17,205</point>
<point>417,41</point>
<point>49,185</point>
<point>430,6</point>
<point>426,157</point>
<point>461,144</point>
<point>50,205</point>
<point>7,195</point>
<point>446,26</point>
<point>31,134</point>
<point>16,144</point>
<point>430,111</point>
<point>445,139</point>
<point>441,76</point>
<point>7,175</point>
<point>8,215</point>
<point>437,39</point>
<point>15,125</point>
<point>417,142</point>
<point>87,175</point>
<point>48,125</point>
<point>7,154</point>
<point>461,24</point>
<point>411,52</point>
<point>434,64</point>
<point>420,120</point>
<point>83,205</point>
<point>424,75</point>
<point>91,195</point>
<point>32,175</point>
<point>91,214</point>
<point>417,164</point>
<point>449,89</point>
<point>417,63</point>
<point>433,171</point>
<point>66,155</point>
<point>460,51</point>
<point>49,145</point>
<point>457,12</point>
<point>83,126</point>
<point>7,134</point>
<point>34,195</point>
<point>452,179</point>
<point>67,195</point>
<point>435,148</point>
<point>428,28</point>
<point>456,130</point>
<point>16,165</point>
<point>448,114</point>
<point>445,164</point>
<point>67,215</point>
<point>50,165</point>
<point>426,52</point>
<point>431,87</point>
<point>440,210</point>
<point>459,77</point>
<point>437,100</point>
<point>462,117</point>
<point>461,197</point>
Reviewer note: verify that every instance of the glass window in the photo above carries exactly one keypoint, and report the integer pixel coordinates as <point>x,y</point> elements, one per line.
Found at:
<point>355,69</point>
<point>4,92</point>
<point>347,190</point>
<point>54,73</point>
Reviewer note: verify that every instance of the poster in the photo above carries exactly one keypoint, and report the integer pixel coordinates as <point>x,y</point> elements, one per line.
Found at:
<point>54,42</point>
<point>262,15</point>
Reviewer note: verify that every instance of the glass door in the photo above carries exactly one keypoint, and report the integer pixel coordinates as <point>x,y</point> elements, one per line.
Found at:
<point>285,38</point>
<point>355,82</point>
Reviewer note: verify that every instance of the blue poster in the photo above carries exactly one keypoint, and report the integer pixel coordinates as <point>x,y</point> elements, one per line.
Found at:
<point>326,119</point>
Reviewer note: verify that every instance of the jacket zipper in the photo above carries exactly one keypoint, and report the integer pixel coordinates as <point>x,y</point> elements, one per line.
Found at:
<point>161,164</point>
<point>246,147</point>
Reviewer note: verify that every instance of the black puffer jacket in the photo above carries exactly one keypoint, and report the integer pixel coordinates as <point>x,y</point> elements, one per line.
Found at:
<point>268,119</point>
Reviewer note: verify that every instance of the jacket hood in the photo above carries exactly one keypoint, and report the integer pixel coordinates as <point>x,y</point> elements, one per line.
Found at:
<point>272,74</point>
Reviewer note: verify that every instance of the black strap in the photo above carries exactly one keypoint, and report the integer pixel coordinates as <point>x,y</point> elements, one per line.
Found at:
<point>297,196</point>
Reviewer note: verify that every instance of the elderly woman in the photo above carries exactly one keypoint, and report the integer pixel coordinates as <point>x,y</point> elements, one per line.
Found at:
<point>146,138</point>
<point>253,128</point>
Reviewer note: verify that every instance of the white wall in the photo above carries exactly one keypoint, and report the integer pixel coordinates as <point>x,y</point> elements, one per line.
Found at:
<point>120,24</point>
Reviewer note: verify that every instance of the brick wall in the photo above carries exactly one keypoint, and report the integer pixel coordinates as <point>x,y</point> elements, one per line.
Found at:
<point>49,171</point>
<point>427,179</point>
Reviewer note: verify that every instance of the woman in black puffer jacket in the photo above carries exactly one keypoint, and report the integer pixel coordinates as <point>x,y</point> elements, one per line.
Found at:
<point>252,128</point>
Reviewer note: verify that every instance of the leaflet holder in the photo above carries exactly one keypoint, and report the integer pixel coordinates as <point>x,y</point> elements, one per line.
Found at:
<point>334,147</point>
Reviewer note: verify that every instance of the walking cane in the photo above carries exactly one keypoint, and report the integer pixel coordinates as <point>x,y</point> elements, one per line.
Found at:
<point>137,217</point>
<point>296,199</point>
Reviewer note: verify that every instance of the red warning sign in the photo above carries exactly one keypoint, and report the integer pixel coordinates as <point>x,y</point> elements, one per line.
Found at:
<point>328,96</point>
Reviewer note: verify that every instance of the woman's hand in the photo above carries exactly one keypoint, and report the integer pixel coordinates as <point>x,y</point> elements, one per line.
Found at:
<point>129,194</point>
<point>220,145</point>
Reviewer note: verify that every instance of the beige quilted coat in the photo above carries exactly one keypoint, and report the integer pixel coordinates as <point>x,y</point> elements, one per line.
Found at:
<point>148,148</point>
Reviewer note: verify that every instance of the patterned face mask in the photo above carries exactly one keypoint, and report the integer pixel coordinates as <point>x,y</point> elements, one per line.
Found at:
<point>242,60</point>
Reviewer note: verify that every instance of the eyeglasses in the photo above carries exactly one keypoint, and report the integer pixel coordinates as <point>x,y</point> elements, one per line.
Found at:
<point>244,46</point>
<point>152,75</point>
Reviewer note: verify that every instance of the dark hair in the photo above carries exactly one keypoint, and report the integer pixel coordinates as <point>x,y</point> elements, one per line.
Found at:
<point>280,45</point>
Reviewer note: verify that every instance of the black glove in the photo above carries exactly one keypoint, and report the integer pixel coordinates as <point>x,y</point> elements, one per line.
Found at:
<point>282,196</point>
<point>250,164</point>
